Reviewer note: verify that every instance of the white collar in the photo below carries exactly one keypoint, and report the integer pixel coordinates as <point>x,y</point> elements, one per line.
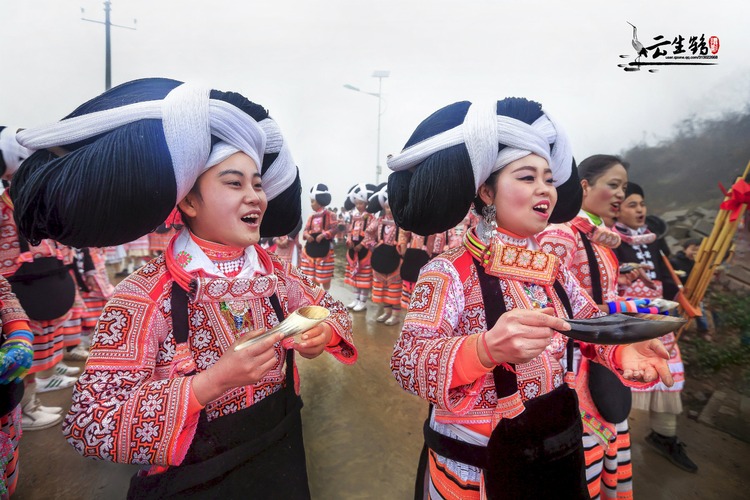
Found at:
<point>188,254</point>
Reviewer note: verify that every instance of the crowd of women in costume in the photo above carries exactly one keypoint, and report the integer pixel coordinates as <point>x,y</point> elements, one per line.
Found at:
<point>518,240</point>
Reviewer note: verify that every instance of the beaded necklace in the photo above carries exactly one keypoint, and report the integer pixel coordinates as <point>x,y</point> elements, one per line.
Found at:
<point>229,260</point>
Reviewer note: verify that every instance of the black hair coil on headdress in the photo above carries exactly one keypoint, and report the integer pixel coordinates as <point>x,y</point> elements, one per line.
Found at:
<point>323,199</point>
<point>239,101</point>
<point>69,196</point>
<point>437,196</point>
<point>348,205</point>
<point>283,212</point>
<point>569,199</point>
<point>373,204</point>
<point>70,200</point>
<point>322,195</point>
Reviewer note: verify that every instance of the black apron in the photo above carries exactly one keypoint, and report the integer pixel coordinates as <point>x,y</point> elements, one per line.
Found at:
<point>354,256</point>
<point>317,249</point>
<point>11,395</point>
<point>44,287</point>
<point>253,453</point>
<point>414,259</point>
<point>537,454</point>
<point>385,258</point>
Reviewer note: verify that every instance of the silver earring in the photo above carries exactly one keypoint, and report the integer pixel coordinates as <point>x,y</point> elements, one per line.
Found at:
<point>490,214</point>
<point>488,223</point>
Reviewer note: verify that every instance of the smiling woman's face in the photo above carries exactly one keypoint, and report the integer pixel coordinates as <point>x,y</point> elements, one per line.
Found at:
<point>523,196</point>
<point>227,203</point>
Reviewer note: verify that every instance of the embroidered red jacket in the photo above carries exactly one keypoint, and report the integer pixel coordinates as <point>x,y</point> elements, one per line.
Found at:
<point>322,221</point>
<point>134,404</point>
<point>445,310</point>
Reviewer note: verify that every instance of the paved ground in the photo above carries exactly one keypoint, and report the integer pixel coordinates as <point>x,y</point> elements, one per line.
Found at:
<point>363,437</point>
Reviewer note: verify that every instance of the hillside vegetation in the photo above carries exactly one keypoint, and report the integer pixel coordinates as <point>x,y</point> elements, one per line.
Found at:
<point>684,170</point>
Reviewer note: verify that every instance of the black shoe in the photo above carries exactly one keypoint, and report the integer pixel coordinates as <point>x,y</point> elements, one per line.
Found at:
<point>673,449</point>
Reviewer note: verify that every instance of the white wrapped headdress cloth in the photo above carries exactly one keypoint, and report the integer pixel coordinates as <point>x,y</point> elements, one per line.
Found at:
<point>457,148</point>
<point>11,152</point>
<point>358,192</point>
<point>320,193</point>
<point>138,150</point>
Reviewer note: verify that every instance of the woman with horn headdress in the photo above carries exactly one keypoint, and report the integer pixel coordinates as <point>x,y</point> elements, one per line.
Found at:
<point>386,259</point>
<point>359,243</point>
<point>317,259</point>
<point>42,283</point>
<point>165,385</point>
<point>480,341</point>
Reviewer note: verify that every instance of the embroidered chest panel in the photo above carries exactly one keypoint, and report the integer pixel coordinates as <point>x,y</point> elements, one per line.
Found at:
<point>516,263</point>
<point>387,232</point>
<point>358,226</point>
<point>317,223</point>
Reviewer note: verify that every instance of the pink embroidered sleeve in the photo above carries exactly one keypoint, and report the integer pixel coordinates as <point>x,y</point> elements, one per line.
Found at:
<point>560,241</point>
<point>432,335</point>
<point>330,229</point>
<point>306,231</point>
<point>120,411</point>
<point>11,309</point>
<point>582,304</point>
<point>302,291</point>
<point>371,232</point>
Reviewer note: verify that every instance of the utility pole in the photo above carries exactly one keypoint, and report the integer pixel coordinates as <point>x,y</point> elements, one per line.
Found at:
<point>107,42</point>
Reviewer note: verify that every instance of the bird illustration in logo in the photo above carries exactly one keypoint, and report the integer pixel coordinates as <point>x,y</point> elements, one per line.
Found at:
<point>638,46</point>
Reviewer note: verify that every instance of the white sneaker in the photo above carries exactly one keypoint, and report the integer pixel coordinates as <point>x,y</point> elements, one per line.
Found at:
<point>37,404</point>
<point>33,419</point>
<point>395,319</point>
<point>359,306</point>
<point>384,316</point>
<point>353,304</point>
<point>54,383</point>
<point>63,369</point>
<point>78,353</point>
<point>52,410</point>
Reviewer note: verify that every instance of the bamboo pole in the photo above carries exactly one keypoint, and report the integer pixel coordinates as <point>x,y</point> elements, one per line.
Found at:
<point>711,253</point>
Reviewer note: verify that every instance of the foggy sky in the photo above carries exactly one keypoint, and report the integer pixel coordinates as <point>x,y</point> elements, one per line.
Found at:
<point>294,56</point>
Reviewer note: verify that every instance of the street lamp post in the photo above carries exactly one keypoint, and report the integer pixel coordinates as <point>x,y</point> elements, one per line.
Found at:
<point>379,74</point>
